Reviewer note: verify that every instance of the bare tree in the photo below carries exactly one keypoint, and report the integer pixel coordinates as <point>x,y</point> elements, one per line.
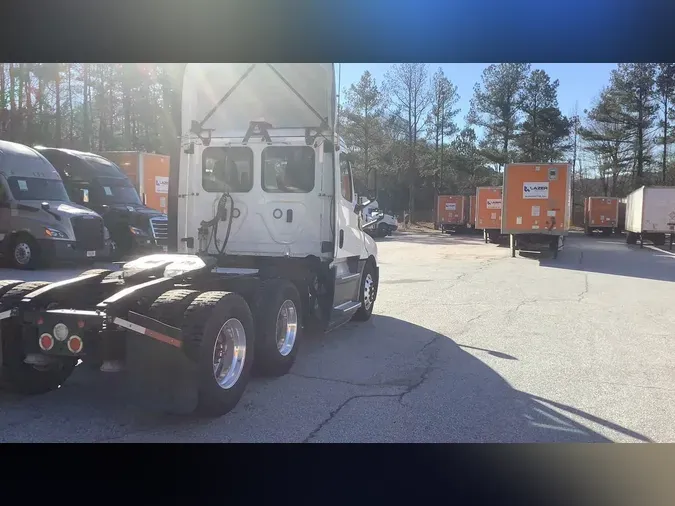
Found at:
<point>407,85</point>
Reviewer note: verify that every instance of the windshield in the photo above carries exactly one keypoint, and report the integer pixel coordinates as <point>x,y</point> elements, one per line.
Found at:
<point>118,191</point>
<point>33,188</point>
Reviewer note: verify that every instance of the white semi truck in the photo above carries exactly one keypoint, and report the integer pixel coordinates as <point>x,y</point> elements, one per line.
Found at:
<point>268,243</point>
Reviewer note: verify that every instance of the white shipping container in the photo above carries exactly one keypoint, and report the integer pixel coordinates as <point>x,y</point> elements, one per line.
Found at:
<point>651,209</point>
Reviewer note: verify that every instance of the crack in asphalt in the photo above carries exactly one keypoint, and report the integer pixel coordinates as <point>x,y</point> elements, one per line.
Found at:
<point>585,291</point>
<point>400,396</point>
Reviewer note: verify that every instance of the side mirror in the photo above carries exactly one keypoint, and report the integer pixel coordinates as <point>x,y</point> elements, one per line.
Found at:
<point>45,206</point>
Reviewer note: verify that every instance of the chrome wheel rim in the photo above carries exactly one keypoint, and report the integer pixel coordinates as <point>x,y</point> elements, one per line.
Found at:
<point>287,327</point>
<point>229,353</point>
<point>22,253</point>
<point>368,291</point>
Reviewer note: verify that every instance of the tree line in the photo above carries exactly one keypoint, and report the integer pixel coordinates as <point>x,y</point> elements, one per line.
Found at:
<point>405,128</point>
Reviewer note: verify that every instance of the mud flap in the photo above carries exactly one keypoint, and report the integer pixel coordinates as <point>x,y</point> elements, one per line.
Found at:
<point>160,377</point>
<point>158,372</point>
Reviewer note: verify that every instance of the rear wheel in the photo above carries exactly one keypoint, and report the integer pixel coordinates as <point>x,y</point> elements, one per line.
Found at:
<point>382,230</point>
<point>278,328</point>
<point>368,293</point>
<point>218,335</point>
<point>15,375</point>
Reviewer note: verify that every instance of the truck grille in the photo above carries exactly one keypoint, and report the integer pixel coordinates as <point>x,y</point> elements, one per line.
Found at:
<point>89,232</point>
<point>160,229</point>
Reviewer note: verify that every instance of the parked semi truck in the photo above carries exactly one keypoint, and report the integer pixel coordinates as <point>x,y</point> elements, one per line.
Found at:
<point>489,212</point>
<point>101,185</point>
<point>452,213</point>
<point>536,206</point>
<point>38,220</point>
<point>268,245</point>
<point>650,215</point>
<point>602,214</point>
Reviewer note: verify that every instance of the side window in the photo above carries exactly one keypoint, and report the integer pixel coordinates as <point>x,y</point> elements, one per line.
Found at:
<point>227,169</point>
<point>346,178</point>
<point>288,169</point>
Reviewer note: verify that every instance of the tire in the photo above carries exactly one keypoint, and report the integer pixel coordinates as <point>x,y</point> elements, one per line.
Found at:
<point>94,271</point>
<point>367,293</point>
<point>202,323</point>
<point>169,307</point>
<point>631,238</point>
<point>7,284</point>
<point>382,230</point>
<point>271,357</point>
<point>24,247</point>
<point>15,375</point>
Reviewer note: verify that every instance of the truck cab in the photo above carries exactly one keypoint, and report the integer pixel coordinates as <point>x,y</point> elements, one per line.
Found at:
<point>268,243</point>
<point>99,184</point>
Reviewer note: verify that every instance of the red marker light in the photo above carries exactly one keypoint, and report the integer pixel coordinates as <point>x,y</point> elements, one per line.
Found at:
<point>46,342</point>
<point>40,321</point>
<point>75,344</point>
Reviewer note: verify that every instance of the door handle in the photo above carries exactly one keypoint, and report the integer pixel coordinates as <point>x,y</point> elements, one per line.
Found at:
<point>342,238</point>
<point>289,215</point>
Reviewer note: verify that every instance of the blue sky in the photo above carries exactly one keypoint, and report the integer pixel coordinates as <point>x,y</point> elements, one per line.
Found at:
<point>579,82</point>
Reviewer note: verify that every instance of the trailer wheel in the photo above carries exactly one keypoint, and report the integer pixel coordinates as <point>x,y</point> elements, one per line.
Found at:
<point>278,327</point>
<point>368,293</point>
<point>15,375</point>
<point>218,335</point>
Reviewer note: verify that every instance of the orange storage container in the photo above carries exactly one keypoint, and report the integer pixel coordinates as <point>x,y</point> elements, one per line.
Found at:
<point>536,205</point>
<point>601,213</point>
<point>148,172</point>
<point>536,198</point>
<point>451,212</point>
<point>489,208</point>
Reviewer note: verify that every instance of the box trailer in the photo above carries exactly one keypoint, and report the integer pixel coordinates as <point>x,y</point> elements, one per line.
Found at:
<point>602,214</point>
<point>489,212</point>
<point>149,172</point>
<point>650,215</point>
<point>472,212</point>
<point>536,206</point>
<point>451,212</point>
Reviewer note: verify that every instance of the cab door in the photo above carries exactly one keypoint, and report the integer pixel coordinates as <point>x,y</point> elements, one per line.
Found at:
<point>348,248</point>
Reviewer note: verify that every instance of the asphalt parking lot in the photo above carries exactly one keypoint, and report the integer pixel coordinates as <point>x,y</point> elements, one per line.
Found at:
<point>466,345</point>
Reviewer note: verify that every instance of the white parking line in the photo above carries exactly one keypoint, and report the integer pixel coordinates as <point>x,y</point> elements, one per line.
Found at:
<point>654,248</point>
